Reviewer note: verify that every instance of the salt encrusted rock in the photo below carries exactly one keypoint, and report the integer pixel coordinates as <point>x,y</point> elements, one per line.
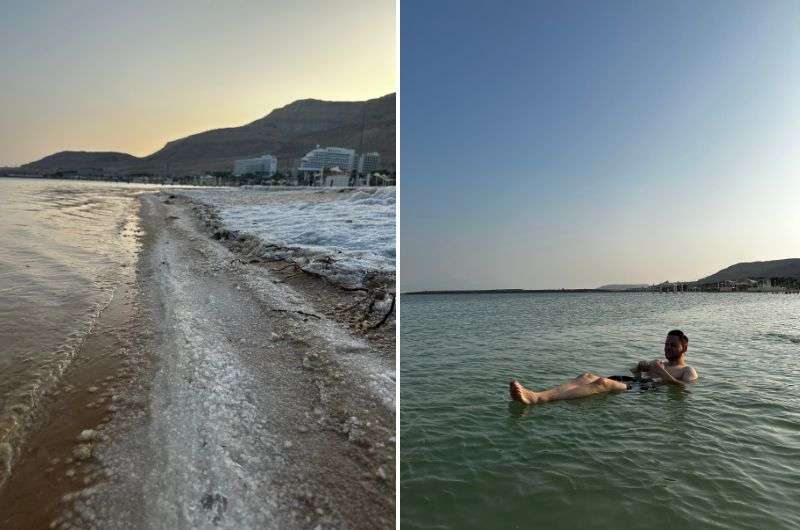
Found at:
<point>6,455</point>
<point>381,473</point>
<point>82,452</point>
<point>275,336</point>
<point>87,435</point>
<point>92,389</point>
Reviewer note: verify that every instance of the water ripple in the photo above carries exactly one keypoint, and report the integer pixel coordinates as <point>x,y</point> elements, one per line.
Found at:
<point>722,453</point>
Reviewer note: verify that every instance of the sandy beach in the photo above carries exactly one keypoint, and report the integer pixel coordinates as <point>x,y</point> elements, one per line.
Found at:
<point>221,387</point>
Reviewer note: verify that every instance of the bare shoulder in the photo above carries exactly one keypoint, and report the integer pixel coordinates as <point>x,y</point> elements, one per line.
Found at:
<point>689,373</point>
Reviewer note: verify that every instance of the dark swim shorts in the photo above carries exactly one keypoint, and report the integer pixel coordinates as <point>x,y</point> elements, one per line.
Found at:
<point>642,383</point>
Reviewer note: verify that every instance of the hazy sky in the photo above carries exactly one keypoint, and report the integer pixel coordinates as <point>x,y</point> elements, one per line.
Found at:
<point>574,144</point>
<point>130,76</point>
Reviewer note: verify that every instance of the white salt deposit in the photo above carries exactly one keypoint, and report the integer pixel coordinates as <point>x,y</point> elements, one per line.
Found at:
<point>342,234</point>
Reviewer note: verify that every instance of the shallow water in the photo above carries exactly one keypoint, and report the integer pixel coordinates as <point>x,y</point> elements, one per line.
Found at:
<point>62,246</point>
<point>722,453</point>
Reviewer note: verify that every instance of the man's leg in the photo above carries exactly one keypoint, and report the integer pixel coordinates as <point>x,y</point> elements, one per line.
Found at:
<point>584,379</point>
<point>584,385</point>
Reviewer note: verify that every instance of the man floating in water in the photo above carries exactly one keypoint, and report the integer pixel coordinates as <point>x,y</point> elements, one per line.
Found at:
<point>675,372</point>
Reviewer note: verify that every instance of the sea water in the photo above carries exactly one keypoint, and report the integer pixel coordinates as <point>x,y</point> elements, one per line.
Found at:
<point>62,247</point>
<point>722,453</point>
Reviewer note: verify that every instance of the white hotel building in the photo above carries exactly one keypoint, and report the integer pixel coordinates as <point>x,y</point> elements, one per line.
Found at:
<point>266,164</point>
<point>368,162</point>
<point>325,158</point>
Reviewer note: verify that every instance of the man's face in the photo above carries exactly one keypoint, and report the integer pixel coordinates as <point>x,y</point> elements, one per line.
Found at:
<point>673,348</point>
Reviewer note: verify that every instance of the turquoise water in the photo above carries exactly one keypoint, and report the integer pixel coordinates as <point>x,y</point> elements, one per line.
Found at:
<point>723,453</point>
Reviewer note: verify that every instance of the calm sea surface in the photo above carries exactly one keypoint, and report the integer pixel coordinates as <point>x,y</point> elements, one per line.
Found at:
<point>723,453</point>
<point>62,246</point>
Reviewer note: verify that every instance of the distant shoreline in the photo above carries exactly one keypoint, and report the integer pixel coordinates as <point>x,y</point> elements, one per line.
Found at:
<point>545,291</point>
<point>505,291</point>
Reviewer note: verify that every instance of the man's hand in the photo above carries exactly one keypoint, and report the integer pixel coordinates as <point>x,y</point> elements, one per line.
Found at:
<point>657,369</point>
<point>641,366</point>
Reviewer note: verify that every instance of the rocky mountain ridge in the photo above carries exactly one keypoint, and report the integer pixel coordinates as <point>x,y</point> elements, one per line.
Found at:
<point>287,133</point>
<point>781,268</point>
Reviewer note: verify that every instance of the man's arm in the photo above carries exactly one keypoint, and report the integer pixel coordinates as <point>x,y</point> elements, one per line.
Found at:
<point>642,366</point>
<point>689,374</point>
<point>639,367</point>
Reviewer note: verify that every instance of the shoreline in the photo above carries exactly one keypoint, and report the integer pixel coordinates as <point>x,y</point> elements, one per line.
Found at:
<point>327,441</point>
<point>567,291</point>
<point>89,396</point>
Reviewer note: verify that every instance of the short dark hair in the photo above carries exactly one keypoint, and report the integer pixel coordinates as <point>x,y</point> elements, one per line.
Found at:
<point>678,333</point>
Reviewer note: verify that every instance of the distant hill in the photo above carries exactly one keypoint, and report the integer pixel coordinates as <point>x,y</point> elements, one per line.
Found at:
<point>622,286</point>
<point>287,133</point>
<point>781,268</point>
<point>73,160</point>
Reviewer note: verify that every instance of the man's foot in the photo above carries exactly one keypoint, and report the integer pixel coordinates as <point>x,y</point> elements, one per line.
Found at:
<point>521,394</point>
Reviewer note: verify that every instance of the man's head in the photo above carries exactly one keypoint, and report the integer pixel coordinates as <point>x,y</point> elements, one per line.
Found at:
<point>676,344</point>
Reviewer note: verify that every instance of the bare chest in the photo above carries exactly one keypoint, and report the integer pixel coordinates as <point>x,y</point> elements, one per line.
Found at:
<point>675,371</point>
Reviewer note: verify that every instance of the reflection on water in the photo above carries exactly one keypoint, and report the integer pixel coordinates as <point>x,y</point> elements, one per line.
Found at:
<point>721,453</point>
<point>62,245</point>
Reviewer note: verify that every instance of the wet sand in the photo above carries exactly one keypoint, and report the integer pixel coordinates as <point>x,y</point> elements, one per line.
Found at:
<point>246,396</point>
<point>109,366</point>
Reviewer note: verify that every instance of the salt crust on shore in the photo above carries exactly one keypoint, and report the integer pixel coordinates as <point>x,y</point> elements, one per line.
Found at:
<point>344,234</point>
<point>353,352</point>
<point>212,447</point>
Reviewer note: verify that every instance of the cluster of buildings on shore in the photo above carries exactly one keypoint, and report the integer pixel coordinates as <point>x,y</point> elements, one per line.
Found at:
<point>323,166</point>
<point>757,285</point>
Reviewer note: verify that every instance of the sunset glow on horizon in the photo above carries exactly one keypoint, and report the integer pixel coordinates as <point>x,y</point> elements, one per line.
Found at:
<point>86,78</point>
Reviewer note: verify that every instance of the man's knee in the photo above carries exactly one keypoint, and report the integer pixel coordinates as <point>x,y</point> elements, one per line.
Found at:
<point>609,384</point>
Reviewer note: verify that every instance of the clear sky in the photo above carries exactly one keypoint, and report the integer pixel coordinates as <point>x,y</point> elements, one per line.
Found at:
<point>570,144</point>
<point>130,76</point>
